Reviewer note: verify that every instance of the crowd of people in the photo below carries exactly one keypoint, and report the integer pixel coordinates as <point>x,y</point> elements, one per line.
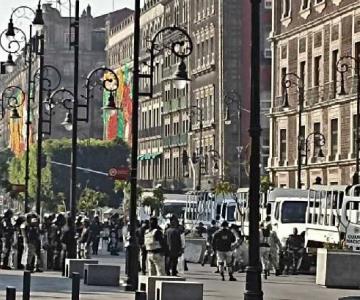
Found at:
<point>22,239</point>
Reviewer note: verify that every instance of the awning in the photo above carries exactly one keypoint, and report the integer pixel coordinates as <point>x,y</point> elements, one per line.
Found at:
<point>149,156</point>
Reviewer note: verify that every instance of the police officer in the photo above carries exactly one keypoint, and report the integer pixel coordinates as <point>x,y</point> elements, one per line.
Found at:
<point>265,249</point>
<point>85,239</point>
<point>275,248</point>
<point>7,238</point>
<point>222,242</point>
<point>55,237</point>
<point>32,243</point>
<point>154,245</point>
<point>295,246</point>
<point>210,253</point>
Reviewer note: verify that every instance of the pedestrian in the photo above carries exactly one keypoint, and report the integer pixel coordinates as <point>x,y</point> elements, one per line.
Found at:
<point>95,229</point>
<point>275,249</point>
<point>154,244</point>
<point>174,245</point>
<point>8,238</point>
<point>140,234</point>
<point>265,249</point>
<point>210,253</point>
<point>32,243</point>
<point>85,239</point>
<point>200,230</point>
<point>222,242</point>
<point>295,247</point>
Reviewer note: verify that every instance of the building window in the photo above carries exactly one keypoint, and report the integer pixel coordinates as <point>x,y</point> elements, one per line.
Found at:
<point>334,71</point>
<point>334,137</point>
<point>305,4</point>
<point>283,145</point>
<point>283,74</point>
<point>354,134</point>
<point>286,8</point>
<point>302,72</point>
<point>302,138</point>
<point>268,4</point>
<point>317,61</point>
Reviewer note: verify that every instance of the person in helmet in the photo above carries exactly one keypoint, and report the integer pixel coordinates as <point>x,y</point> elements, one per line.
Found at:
<point>32,243</point>
<point>222,243</point>
<point>8,238</point>
<point>85,239</point>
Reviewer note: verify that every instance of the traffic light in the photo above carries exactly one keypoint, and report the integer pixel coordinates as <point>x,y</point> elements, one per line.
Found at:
<point>185,158</point>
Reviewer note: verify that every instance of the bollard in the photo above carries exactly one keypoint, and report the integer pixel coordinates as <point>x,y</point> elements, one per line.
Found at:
<point>10,293</point>
<point>26,285</point>
<point>75,291</point>
<point>140,295</point>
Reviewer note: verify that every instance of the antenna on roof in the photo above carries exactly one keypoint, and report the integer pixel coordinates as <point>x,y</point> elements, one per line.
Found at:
<point>113,8</point>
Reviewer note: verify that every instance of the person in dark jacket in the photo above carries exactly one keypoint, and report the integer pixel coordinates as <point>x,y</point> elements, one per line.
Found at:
<point>95,229</point>
<point>140,233</point>
<point>85,239</point>
<point>8,237</point>
<point>210,253</point>
<point>174,245</point>
<point>222,242</point>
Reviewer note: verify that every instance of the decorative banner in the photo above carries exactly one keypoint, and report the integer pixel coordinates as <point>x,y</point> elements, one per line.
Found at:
<point>118,124</point>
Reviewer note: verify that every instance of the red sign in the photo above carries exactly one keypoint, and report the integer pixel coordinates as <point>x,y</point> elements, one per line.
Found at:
<point>121,173</point>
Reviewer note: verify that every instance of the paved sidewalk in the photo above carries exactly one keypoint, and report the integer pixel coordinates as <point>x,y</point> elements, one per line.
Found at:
<point>50,285</point>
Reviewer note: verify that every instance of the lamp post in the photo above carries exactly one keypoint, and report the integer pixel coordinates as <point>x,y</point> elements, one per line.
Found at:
<point>319,141</point>
<point>49,79</point>
<point>10,101</point>
<point>289,81</point>
<point>229,98</point>
<point>11,34</point>
<point>198,112</point>
<point>253,271</point>
<point>344,64</point>
<point>182,50</point>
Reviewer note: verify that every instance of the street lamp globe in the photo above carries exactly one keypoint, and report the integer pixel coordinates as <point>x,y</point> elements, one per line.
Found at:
<point>38,20</point>
<point>181,76</point>
<point>68,124</point>
<point>9,64</point>
<point>10,33</point>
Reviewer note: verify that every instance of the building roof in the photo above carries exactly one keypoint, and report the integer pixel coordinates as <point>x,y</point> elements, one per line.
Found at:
<point>115,17</point>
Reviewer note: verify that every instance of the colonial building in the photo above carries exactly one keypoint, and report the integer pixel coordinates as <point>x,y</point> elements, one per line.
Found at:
<point>59,55</point>
<point>309,38</point>
<point>194,122</point>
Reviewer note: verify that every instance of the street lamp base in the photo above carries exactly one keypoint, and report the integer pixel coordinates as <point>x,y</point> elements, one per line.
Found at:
<point>253,284</point>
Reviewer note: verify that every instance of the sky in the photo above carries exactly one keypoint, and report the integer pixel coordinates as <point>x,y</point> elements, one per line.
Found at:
<point>99,7</point>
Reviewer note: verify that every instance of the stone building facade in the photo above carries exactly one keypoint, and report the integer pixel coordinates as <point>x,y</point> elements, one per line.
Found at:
<point>58,54</point>
<point>308,38</point>
<point>169,125</point>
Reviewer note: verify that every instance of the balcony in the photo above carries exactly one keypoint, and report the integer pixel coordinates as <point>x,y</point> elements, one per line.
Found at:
<point>149,132</point>
<point>175,140</point>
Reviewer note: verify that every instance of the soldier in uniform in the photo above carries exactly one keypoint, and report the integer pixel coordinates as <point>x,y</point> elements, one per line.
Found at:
<point>210,254</point>
<point>222,243</point>
<point>295,246</point>
<point>7,238</point>
<point>55,241</point>
<point>85,239</point>
<point>275,248</point>
<point>33,243</point>
<point>155,246</point>
<point>265,249</point>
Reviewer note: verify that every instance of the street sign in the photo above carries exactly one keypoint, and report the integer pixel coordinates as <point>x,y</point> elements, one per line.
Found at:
<point>120,173</point>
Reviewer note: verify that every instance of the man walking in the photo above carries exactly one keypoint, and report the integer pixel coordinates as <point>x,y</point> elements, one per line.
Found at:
<point>275,248</point>
<point>222,242</point>
<point>210,252</point>
<point>173,240</point>
<point>265,249</point>
<point>154,245</point>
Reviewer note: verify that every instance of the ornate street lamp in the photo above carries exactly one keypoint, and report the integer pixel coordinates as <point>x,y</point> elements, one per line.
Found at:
<point>181,48</point>
<point>319,141</point>
<point>12,98</point>
<point>16,41</point>
<point>289,81</point>
<point>344,65</point>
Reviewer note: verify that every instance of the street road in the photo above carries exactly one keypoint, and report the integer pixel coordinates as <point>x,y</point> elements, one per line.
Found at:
<point>50,285</point>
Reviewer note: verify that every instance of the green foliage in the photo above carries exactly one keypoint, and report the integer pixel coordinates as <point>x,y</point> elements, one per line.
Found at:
<point>223,188</point>
<point>93,154</point>
<point>91,199</point>
<point>265,183</point>
<point>155,202</point>
<point>5,157</point>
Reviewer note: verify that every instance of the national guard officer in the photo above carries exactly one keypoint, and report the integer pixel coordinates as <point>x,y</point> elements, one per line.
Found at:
<point>7,238</point>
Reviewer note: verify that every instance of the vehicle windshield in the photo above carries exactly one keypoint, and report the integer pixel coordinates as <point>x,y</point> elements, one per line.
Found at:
<point>177,209</point>
<point>231,213</point>
<point>293,211</point>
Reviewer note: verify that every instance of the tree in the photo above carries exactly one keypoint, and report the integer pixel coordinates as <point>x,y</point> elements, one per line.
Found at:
<point>91,199</point>
<point>125,188</point>
<point>265,183</point>
<point>223,188</point>
<point>155,202</point>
